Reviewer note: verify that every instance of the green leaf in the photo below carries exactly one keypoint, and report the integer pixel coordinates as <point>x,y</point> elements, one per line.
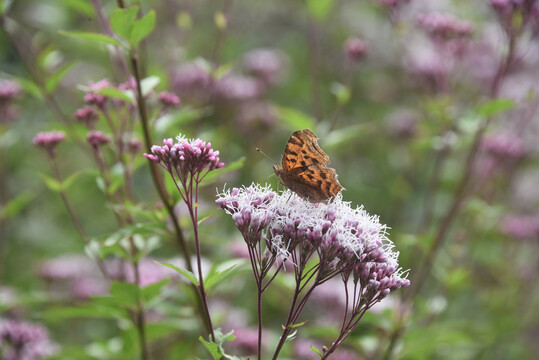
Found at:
<point>83,7</point>
<point>4,6</point>
<point>203,219</point>
<point>341,92</point>
<point>52,82</point>
<point>142,28</point>
<point>151,291</point>
<point>116,93</point>
<point>90,310</point>
<point>127,294</point>
<point>92,37</point>
<point>495,107</point>
<point>313,348</point>
<point>69,180</point>
<point>216,277</point>
<point>319,9</point>
<point>296,119</point>
<point>212,348</point>
<point>293,326</point>
<point>213,175</point>
<point>220,20</point>
<point>149,83</point>
<point>16,205</point>
<point>51,183</point>
<point>189,275</point>
<point>123,20</point>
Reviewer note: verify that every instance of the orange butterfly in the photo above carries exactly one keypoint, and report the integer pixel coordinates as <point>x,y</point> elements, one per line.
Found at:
<point>304,169</point>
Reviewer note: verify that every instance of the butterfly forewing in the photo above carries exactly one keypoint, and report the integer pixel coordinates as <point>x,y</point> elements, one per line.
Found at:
<point>302,150</point>
<point>304,168</point>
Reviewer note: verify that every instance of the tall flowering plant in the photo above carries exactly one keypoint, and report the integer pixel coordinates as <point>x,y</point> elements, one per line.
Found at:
<point>188,162</point>
<point>316,242</point>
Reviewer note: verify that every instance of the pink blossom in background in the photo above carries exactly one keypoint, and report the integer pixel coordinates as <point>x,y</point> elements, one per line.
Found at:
<point>92,97</point>
<point>521,226</point>
<point>503,145</point>
<point>237,88</point>
<point>269,65</point>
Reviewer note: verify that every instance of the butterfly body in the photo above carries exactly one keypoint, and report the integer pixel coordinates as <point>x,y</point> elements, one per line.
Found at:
<point>304,169</point>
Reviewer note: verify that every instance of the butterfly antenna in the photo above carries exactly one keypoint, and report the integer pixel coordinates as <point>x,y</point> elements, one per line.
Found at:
<point>263,153</point>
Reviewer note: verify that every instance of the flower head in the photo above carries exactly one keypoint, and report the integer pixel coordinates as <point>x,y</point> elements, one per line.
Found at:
<point>87,115</point>
<point>169,99</point>
<point>24,340</point>
<point>49,140</point>
<point>266,64</point>
<point>503,146</point>
<point>134,146</point>
<point>9,90</point>
<point>97,138</point>
<point>192,81</point>
<point>92,97</point>
<point>346,239</point>
<point>238,88</point>
<point>444,26</point>
<point>521,226</point>
<point>187,157</point>
<point>355,49</point>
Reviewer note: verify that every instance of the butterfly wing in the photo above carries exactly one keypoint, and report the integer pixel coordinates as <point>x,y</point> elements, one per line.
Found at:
<point>304,168</point>
<point>316,183</point>
<point>302,151</point>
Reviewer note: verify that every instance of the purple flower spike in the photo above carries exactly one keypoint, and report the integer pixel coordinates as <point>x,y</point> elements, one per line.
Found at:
<point>49,140</point>
<point>169,99</point>
<point>97,138</point>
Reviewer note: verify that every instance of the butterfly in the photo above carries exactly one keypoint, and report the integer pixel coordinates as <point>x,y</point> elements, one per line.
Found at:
<point>304,169</point>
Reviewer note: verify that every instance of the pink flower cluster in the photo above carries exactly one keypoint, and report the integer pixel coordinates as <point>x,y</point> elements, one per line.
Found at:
<point>355,49</point>
<point>521,226</point>
<point>504,146</point>
<point>24,340</point>
<point>444,26</point>
<point>186,157</point>
<point>49,140</point>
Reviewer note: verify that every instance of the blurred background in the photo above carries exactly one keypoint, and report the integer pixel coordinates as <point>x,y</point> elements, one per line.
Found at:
<point>427,110</point>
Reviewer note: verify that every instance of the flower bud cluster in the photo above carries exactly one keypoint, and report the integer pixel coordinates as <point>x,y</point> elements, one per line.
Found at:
<point>9,90</point>
<point>97,138</point>
<point>87,115</point>
<point>24,340</point>
<point>251,209</point>
<point>266,64</point>
<point>185,157</point>
<point>355,49</point>
<point>521,226</point>
<point>444,26</point>
<point>502,145</point>
<point>169,99</point>
<point>49,140</point>
<point>92,97</point>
